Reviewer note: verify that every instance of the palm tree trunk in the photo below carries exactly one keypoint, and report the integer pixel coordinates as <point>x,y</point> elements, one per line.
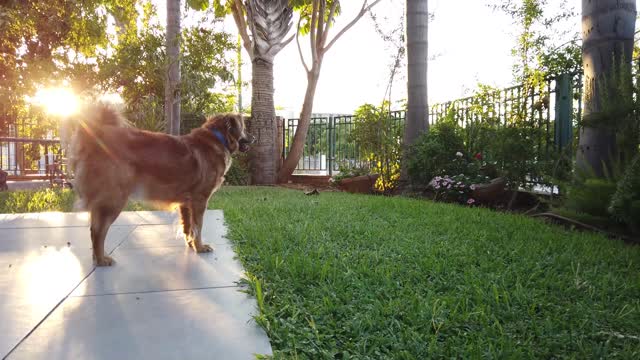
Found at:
<point>608,27</point>
<point>300,138</point>
<point>417,120</point>
<point>172,81</point>
<point>263,124</point>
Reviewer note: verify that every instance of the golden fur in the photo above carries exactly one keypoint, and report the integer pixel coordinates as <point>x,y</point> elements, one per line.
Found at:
<point>112,161</point>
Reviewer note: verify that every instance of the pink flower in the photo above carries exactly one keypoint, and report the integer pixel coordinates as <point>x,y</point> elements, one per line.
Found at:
<point>478,156</point>
<point>471,201</point>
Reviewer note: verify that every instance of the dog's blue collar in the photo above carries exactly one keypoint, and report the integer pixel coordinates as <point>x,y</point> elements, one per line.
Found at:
<point>221,138</point>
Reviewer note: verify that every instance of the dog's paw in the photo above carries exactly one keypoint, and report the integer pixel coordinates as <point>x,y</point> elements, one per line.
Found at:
<point>105,261</point>
<point>204,248</point>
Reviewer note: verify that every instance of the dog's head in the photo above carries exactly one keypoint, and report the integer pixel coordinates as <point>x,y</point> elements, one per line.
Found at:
<point>231,128</point>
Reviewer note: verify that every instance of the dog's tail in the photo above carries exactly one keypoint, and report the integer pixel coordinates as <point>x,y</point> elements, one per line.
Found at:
<point>103,114</point>
<point>85,131</point>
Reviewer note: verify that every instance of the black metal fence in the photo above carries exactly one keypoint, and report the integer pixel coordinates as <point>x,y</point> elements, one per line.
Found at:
<point>25,158</point>
<point>329,145</point>
<point>558,101</point>
<point>544,115</point>
<point>29,159</point>
<point>551,110</point>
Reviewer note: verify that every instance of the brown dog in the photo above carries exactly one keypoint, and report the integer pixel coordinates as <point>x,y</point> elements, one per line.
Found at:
<point>112,161</point>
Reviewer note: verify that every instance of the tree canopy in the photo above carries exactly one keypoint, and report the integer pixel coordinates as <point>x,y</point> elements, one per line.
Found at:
<point>136,69</point>
<point>96,46</point>
<point>47,43</point>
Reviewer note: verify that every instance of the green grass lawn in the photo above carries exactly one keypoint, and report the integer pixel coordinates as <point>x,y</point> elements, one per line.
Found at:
<point>27,201</point>
<point>342,276</point>
<point>347,276</point>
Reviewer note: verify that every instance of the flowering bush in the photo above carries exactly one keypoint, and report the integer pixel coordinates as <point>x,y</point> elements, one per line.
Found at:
<point>458,188</point>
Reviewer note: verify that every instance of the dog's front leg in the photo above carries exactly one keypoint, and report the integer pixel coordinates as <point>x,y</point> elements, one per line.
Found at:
<point>197,214</point>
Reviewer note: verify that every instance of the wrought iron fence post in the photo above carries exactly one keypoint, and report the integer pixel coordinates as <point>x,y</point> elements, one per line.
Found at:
<point>332,145</point>
<point>46,158</point>
<point>564,101</point>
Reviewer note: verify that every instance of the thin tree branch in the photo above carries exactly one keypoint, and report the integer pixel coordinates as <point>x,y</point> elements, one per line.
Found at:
<point>279,46</point>
<point>238,12</point>
<point>304,63</point>
<point>332,13</point>
<point>364,9</point>
<point>320,25</point>
<point>312,26</point>
<point>286,42</point>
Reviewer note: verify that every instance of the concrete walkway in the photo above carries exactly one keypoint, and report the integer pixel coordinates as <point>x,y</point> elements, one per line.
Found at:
<point>159,301</point>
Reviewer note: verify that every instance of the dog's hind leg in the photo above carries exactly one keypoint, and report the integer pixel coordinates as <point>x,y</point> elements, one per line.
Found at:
<point>198,208</point>
<point>101,219</point>
<point>187,223</point>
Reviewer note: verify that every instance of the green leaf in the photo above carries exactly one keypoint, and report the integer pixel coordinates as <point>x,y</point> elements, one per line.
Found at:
<point>198,4</point>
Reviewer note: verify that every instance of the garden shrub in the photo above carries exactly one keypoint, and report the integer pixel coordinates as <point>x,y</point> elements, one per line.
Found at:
<point>514,151</point>
<point>625,203</point>
<point>434,153</point>
<point>238,173</point>
<point>36,201</point>
<point>591,196</point>
<point>379,137</point>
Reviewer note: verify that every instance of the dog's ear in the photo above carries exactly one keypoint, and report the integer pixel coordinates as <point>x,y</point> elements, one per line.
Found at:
<point>220,122</point>
<point>233,124</point>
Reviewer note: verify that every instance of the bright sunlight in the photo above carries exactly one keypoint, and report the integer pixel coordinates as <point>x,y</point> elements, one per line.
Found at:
<point>57,101</point>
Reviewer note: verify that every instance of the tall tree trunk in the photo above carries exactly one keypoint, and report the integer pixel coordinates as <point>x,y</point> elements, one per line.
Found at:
<point>269,22</point>
<point>417,120</point>
<point>318,36</point>
<point>263,125</point>
<point>172,81</point>
<point>608,27</point>
<point>300,138</point>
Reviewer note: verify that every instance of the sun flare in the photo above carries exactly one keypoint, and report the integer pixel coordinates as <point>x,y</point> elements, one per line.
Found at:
<point>57,101</point>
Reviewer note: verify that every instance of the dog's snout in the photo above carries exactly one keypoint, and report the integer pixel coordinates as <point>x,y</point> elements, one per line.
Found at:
<point>249,139</point>
<point>245,142</point>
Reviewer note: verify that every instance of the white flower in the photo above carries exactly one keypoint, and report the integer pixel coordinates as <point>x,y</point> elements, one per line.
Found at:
<point>472,187</point>
<point>459,154</point>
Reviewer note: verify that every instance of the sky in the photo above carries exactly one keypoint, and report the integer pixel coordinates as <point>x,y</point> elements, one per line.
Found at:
<point>468,43</point>
<point>356,70</point>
